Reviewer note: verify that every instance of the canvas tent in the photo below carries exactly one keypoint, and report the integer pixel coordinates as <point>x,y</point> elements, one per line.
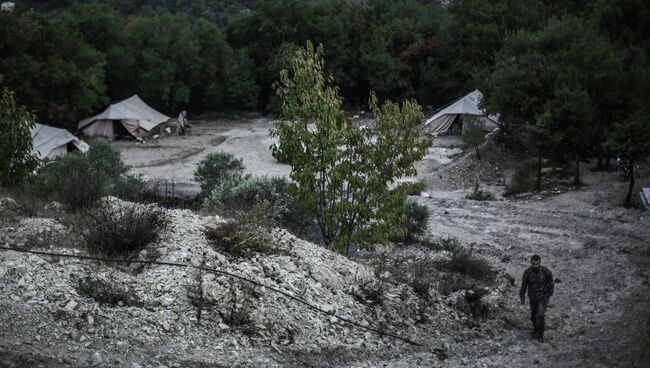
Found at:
<point>467,106</point>
<point>645,197</point>
<point>132,114</point>
<point>49,142</point>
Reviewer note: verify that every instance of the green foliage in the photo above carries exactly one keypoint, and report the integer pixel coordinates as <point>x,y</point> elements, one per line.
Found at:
<point>631,137</point>
<point>16,160</point>
<point>414,218</point>
<point>51,69</point>
<point>473,135</point>
<point>415,188</point>
<point>244,192</point>
<point>557,84</point>
<point>463,261</point>
<point>480,195</point>
<point>78,180</point>
<point>246,235</point>
<point>122,231</point>
<point>216,169</point>
<point>71,181</point>
<point>523,180</point>
<point>341,171</point>
<point>251,193</point>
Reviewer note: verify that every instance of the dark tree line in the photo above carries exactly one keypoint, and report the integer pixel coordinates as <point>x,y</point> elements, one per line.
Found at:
<point>564,75</point>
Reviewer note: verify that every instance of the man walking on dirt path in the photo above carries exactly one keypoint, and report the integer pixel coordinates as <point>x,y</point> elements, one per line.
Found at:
<point>539,282</point>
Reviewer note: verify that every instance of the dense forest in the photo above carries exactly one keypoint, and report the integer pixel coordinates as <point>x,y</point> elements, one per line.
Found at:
<point>568,72</point>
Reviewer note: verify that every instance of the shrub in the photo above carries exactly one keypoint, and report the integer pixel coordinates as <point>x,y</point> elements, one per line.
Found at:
<point>130,188</point>
<point>78,180</point>
<point>374,293</point>
<point>480,195</point>
<point>523,180</point>
<point>421,278</point>
<point>106,292</point>
<point>122,231</point>
<point>415,217</point>
<point>416,188</point>
<point>104,158</point>
<point>70,180</point>
<point>243,194</point>
<point>217,168</point>
<point>245,235</point>
<point>464,262</point>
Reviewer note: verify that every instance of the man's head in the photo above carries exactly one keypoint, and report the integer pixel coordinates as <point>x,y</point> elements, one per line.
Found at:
<point>535,262</point>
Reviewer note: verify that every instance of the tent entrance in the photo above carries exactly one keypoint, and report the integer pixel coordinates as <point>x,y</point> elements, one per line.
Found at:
<point>120,131</point>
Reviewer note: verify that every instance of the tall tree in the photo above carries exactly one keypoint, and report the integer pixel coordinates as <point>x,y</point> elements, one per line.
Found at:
<point>553,82</point>
<point>342,172</point>
<point>16,160</point>
<point>631,138</point>
<point>52,70</point>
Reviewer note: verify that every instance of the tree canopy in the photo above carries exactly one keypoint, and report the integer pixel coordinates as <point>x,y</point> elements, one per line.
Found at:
<point>344,173</point>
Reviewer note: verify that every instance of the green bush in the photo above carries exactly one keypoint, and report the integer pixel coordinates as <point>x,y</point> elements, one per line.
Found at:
<point>480,195</point>
<point>121,232</point>
<point>216,169</point>
<point>416,188</point>
<point>243,194</point>
<point>130,188</point>
<point>414,222</point>
<point>78,180</point>
<point>103,157</point>
<point>246,235</point>
<point>523,180</point>
<point>464,262</point>
<point>71,181</point>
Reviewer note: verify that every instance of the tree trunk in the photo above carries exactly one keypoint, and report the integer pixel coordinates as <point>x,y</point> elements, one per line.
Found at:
<point>576,179</point>
<point>628,199</point>
<point>538,186</point>
<point>478,154</point>
<point>608,160</point>
<point>601,164</point>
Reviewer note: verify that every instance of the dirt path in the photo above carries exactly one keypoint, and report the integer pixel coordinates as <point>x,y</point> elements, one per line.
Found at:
<point>599,254</point>
<point>174,158</point>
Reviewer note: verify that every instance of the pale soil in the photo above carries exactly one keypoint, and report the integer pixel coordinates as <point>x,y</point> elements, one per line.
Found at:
<point>599,251</point>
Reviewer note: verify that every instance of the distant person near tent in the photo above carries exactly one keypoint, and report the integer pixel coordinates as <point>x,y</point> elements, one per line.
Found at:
<point>182,123</point>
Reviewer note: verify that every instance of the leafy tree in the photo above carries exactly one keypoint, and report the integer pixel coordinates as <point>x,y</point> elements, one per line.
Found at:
<point>553,83</point>
<point>50,69</point>
<point>342,172</point>
<point>16,160</point>
<point>631,138</point>
<point>473,135</point>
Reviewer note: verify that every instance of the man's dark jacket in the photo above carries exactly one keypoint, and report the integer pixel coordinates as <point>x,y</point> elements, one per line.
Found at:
<point>540,284</point>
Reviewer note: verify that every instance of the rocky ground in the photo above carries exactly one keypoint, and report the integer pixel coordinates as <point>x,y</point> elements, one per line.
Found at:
<point>66,312</point>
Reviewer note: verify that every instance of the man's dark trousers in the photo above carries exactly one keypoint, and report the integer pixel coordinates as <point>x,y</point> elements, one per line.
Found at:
<point>537,311</point>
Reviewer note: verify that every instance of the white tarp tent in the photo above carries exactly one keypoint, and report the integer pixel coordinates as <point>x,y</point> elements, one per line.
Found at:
<point>136,116</point>
<point>467,105</point>
<point>645,197</point>
<point>49,142</point>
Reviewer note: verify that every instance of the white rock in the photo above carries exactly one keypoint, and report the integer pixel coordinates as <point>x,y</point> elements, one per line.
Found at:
<point>96,359</point>
<point>166,326</point>
<point>72,304</point>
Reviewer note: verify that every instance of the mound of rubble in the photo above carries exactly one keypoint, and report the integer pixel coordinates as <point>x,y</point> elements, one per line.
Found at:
<point>466,170</point>
<point>81,308</point>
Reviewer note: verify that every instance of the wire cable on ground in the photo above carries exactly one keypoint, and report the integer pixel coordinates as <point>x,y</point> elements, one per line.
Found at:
<point>226,273</point>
